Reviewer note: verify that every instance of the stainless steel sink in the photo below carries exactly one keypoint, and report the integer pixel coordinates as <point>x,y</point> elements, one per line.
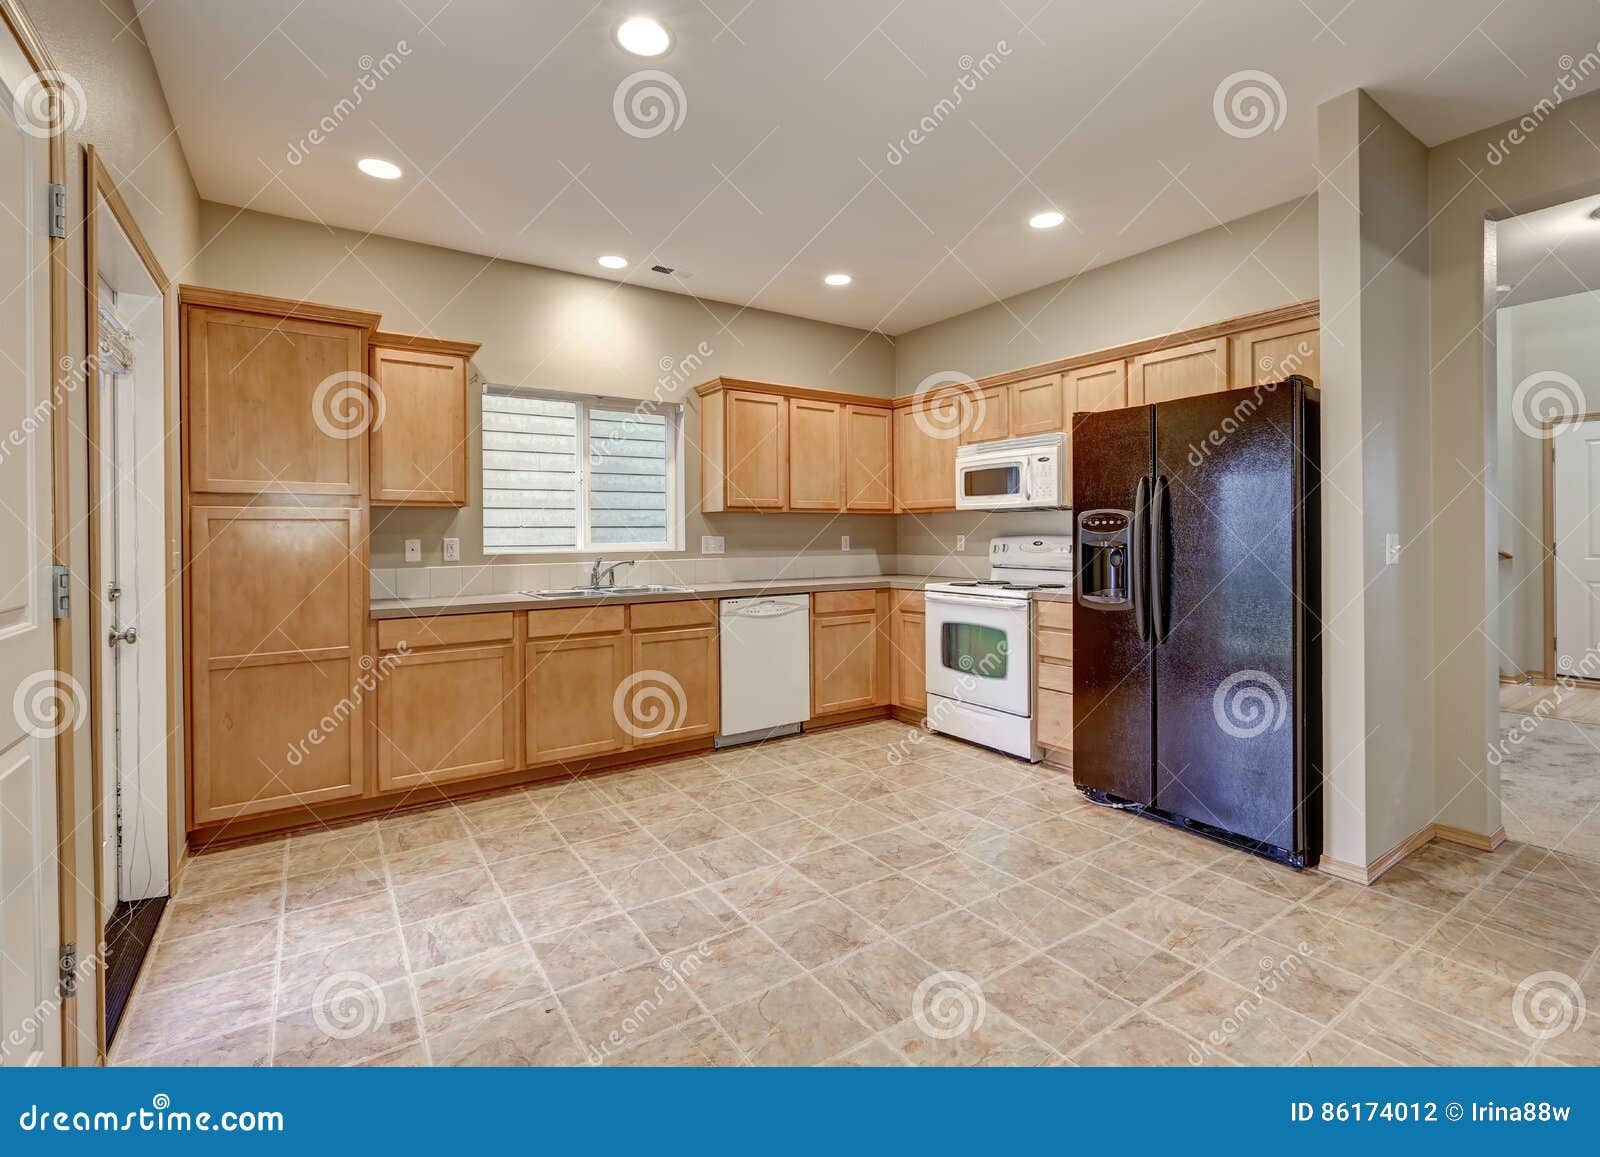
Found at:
<point>604,592</point>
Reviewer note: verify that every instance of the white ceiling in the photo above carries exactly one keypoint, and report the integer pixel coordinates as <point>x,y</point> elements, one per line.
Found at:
<point>501,111</point>
<point>1552,252</point>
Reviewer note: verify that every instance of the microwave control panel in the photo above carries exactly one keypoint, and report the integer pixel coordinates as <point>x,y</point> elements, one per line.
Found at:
<point>1044,478</point>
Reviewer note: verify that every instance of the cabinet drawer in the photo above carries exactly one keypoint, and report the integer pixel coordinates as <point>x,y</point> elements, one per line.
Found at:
<point>607,620</point>
<point>843,602</point>
<point>655,616</point>
<point>1055,645</point>
<point>1055,720</point>
<point>1054,614</point>
<point>913,602</point>
<point>443,631</point>
<point>1056,677</point>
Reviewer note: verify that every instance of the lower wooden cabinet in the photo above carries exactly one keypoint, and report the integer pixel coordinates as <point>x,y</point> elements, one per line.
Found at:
<point>446,714</point>
<point>908,646</point>
<point>1053,684</point>
<point>674,690</point>
<point>849,651</point>
<point>568,692</point>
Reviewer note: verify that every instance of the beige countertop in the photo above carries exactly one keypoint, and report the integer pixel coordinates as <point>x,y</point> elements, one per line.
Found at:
<point>467,604</point>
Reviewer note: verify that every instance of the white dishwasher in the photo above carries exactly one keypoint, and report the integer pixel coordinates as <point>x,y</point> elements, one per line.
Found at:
<point>766,667</point>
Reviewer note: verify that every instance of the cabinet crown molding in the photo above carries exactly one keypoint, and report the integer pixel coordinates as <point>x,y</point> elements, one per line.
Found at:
<point>199,295</point>
<point>422,343</point>
<point>717,385</point>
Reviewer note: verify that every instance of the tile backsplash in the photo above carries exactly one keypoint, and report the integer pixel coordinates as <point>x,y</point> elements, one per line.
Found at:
<point>419,582</point>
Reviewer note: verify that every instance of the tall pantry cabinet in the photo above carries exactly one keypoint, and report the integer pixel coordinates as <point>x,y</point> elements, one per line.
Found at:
<point>276,406</point>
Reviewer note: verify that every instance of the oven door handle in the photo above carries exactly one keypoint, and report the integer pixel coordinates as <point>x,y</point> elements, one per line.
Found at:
<point>1010,605</point>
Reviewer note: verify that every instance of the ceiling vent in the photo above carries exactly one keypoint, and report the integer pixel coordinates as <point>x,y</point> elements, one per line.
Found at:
<point>669,271</point>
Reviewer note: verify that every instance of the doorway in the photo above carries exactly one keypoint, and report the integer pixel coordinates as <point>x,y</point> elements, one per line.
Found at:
<point>128,452</point>
<point>1546,621</point>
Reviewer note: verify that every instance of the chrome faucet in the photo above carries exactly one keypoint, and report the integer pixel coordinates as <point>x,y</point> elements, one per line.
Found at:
<point>610,572</point>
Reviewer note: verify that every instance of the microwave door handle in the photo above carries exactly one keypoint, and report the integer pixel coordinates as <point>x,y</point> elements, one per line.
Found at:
<point>1136,559</point>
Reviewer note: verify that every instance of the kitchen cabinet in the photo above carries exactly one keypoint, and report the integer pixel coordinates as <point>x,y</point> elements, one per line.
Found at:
<point>447,699</point>
<point>985,413</point>
<point>1182,371</point>
<point>1053,675</point>
<point>908,645</point>
<point>815,455</point>
<point>924,459</point>
<point>1036,406</point>
<point>756,451</point>
<point>420,448</point>
<point>868,459</point>
<point>276,639</point>
<point>675,692</point>
<point>849,651</point>
<point>1271,353</point>
<point>275,396</point>
<point>1098,387</point>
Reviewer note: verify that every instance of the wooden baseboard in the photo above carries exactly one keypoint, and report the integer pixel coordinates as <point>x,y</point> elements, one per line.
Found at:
<point>1477,841</point>
<point>1343,870</point>
<point>1356,874</point>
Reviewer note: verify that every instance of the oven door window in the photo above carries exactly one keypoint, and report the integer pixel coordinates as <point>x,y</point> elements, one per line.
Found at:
<point>991,481</point>
<point>973,649</point>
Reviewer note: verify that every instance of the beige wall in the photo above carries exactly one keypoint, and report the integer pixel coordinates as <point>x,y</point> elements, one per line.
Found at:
<point>1257,262</point>
<point>544,328</point>
<point>125,118</point>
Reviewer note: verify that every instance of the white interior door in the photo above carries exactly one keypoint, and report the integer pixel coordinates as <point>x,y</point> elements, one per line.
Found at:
<point>34,703</point>
<point>1575,500</point>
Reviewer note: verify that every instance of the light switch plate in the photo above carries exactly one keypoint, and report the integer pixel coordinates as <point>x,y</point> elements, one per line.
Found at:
<point>452,550</point>
<point>413,550</point>
<point>844,542</point>
<point>711,544</point>
<point>961,543</point>
<point>1391,549</point>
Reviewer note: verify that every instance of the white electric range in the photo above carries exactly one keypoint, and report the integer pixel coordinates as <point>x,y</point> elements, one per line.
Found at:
<point>979,657</point>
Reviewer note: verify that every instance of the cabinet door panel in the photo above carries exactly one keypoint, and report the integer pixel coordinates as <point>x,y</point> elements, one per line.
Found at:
<point>419,451</point>
<point>987,415</point>
<point>275,404</point>
<point>569,688</point>
<point>814,454</point>
<point>924,461</point>
<point>446,715</point>
<point>1273,352</point>
<point>675,689</point>
<point>277,606</point>
<point>844,662</point>
<point>869,459</point>
<point>1183,371</point>
<point>1036,406</point>
<point>1055,720</point>
<point>1101,387</point>
<point>757,450</point>
<point>910,681</point>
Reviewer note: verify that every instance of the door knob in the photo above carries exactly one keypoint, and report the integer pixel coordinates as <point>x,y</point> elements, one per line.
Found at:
<point>131,635</point>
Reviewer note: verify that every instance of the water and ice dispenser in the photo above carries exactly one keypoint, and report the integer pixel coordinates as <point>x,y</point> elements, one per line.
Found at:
<point>1105,559</point>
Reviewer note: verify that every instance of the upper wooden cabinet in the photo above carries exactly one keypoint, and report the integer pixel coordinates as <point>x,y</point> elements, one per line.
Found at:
<point>1273,352</point>
<point>924,458</point>
<point>985,413</point>
<point>1098,387</point>
<point>275,395</point>
<point>815,455</point>
<point>1036,406</point>
<point>771,447</point>
<point>420,448</point>
<point>1183,371</point>
<point>868,459</point>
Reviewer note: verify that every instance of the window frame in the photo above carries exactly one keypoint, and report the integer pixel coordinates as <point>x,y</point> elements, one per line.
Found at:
<point>671,411</point>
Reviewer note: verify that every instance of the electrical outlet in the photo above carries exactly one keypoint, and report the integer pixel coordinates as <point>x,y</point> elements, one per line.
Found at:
<point>711,544</point>
<point>452,550</point>
<point>1391,549</point>
<point>413,550</point>
<point>844,542</point>
<point>961,543</point>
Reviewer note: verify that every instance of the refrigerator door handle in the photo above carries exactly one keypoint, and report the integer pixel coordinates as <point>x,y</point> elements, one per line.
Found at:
<point>1158,562</point>
<point>1136,559</point>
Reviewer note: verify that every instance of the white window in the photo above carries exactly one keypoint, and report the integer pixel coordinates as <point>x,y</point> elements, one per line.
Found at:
<point>568,472</point>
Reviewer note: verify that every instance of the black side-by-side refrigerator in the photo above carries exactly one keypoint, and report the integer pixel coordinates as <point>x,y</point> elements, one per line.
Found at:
<point>1196,662</point>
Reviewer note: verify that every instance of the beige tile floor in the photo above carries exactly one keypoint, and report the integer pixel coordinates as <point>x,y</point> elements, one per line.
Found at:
<point>1549,762</point>
<point>804,902</point>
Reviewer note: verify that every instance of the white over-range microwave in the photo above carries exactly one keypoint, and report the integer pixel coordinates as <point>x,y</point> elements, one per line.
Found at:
<point>1014,474</point>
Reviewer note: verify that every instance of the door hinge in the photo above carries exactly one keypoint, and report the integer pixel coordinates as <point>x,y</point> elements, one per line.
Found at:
<point>69,968</point>
<point>58,210</point>
<point>61,590</point>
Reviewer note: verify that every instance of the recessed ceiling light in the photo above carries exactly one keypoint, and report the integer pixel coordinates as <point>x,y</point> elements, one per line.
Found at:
<point>838,279</point>
<point>377,167</point>
<point>642,36</point>
<point>1049,219</point>
<point>611,261</point>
